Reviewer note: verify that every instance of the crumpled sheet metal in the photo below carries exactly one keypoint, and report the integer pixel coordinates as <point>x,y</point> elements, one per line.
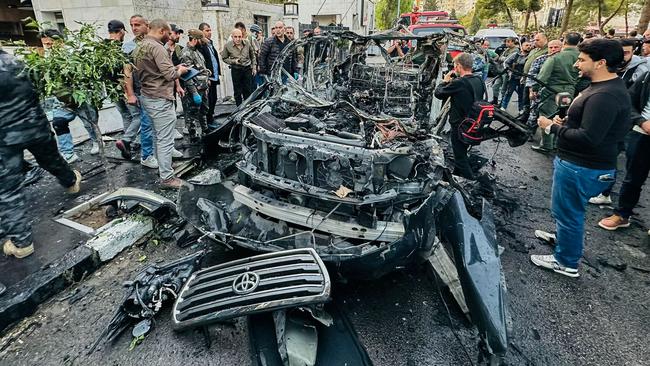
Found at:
<point>479,269</point>
<point>150,199</point>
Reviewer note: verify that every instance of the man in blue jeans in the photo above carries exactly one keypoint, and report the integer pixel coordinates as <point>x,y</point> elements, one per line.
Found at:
<point>135,118</point>
<point>588,140</point>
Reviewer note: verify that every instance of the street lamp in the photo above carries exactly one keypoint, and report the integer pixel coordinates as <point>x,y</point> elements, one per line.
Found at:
<point>291,9</point>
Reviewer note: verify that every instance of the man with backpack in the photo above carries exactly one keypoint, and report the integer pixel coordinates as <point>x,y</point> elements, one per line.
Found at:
<point>463,88</point>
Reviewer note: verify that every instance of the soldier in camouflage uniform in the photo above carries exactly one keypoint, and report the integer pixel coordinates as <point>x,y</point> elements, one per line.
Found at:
<point>195,101</point>
<point>23,126</point>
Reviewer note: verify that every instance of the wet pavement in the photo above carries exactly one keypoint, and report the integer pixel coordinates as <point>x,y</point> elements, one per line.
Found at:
<point>599,319</point>
<point>47,199</point>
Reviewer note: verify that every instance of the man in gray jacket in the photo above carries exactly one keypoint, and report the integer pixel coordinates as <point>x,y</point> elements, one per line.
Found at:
<point>240,55</point>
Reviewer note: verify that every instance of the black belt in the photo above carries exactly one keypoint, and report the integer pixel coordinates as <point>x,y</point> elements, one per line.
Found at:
<point>239,67</point>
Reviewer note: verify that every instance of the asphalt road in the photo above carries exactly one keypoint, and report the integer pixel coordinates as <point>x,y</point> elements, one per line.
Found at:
<point>599,319</point>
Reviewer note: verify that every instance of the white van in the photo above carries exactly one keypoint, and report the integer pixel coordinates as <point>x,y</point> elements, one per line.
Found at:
<point>496,36</point>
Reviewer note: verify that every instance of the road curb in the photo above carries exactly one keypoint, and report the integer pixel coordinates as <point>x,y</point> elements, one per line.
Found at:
<point>22,299</point>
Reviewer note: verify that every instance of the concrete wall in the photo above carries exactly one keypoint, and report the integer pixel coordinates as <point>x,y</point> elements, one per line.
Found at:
<point>358,15</point>
<point>86,11</point>
<point>185,13</point>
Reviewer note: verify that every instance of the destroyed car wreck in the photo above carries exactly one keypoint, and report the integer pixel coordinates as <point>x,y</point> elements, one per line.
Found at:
<point>340,174</point>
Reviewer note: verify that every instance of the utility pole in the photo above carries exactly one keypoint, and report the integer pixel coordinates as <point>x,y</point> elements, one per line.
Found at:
<point>399,3</point>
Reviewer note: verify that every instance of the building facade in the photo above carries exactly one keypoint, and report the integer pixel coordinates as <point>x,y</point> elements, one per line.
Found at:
<point>221,15</point>
<point>357,15</point>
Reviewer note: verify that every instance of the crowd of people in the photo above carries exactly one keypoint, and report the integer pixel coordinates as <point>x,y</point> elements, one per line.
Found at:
<point>160,71</point>
<point>608,77</point>
<point>610,113</point>
<point>163,71</point>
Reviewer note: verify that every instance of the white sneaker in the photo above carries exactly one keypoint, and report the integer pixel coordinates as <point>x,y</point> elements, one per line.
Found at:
<point>176,154</point>
<point>601,200</point>
<point>177,135</point>
<point>71,159</point>
<point>94,150</point>
<point>150,162</point>
<point>549,262</point>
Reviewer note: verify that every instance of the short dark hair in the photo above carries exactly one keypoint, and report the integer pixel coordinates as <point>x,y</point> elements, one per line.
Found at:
<point>572,38</point>
<point>240,25</point>
<point>159,24</point>
<point>50,33</point>
<point>514,40</point>
<point>633,33</point>
<point>611,31</point>
<point>609,50</point>
<point>628,42</point>
<point>202,26</point>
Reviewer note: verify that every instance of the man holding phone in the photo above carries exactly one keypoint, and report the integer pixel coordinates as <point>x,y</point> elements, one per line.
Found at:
<point>464,88</point>
<point>158,76</point>
<point>588,140</point>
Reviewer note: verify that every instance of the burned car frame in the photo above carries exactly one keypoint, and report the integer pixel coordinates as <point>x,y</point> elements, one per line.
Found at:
<point>347,161</point>
<point>347,164</point>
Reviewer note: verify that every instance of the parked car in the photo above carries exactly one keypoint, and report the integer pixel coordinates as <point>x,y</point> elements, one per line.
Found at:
<point>496,36</point>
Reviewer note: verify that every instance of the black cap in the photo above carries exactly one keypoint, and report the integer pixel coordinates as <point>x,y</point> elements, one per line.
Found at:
<point>115,26</point>
<point>176,29</point>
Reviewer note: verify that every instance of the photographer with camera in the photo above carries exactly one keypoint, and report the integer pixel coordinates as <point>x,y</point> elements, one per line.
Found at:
<point>463,88</point>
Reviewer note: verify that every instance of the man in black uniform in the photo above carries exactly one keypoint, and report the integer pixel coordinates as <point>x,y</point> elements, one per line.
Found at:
<point>464,88</point>
<point>588,145</point>
<point>23,126</point>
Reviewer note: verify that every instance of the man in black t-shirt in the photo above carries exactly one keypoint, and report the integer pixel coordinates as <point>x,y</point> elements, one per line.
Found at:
<point>588,140</point>
<point>464,88</point>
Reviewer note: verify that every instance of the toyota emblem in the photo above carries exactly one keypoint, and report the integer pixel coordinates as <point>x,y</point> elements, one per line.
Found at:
<point>245,283</point>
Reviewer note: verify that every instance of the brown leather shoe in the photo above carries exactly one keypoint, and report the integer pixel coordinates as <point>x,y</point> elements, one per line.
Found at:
<point>9,248</point>
<point>171,183</point>
<point>614,222</point>
<point>77,183</point>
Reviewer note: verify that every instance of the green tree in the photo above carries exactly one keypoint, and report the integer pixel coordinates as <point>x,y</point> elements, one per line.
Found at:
<point>493,8</point>
<point>527,7</point>
<point>475,25</point>
<point>452,14</point>
<point>580,12</point>
<point>386,12</point>
<point>645,17</point>
<point>76,70</point>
